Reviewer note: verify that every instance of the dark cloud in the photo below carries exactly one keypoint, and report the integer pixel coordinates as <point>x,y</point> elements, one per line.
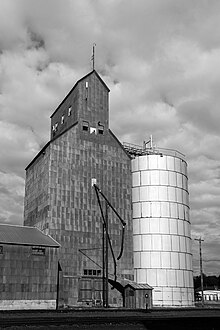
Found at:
<point>36,40</point>
<point>4,190</point>
<point>202,114</point>
<point>161,60</point>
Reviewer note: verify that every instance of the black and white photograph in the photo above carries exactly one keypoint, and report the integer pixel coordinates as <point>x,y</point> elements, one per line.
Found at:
<point>110,164</point>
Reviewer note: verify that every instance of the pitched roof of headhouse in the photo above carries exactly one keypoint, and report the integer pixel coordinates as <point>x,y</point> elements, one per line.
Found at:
<point>84,77</point>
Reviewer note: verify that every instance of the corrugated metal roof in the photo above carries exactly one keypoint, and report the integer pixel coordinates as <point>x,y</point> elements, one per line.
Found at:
<point>138,286</point>
<point>22,235</point>
<point>125,282</point>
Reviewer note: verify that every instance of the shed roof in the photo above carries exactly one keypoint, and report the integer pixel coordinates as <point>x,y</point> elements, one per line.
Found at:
<point>122,283</point>
<point>22,235</point>
<point>138,286</point>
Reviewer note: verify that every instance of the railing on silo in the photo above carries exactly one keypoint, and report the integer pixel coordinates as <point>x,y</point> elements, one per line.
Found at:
<point>136,150</point>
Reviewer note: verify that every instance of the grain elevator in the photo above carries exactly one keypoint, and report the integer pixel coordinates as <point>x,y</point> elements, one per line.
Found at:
<point>148,188</point>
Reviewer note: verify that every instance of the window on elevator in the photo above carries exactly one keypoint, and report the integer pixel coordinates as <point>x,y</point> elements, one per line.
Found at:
<point>100,128</point>
<point>85,126</point>
<point>69,111</point>
<point>92,272</point>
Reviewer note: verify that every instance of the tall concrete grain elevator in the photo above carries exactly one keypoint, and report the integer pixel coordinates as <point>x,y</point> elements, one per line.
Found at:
<point>147,187</point>
<point>161,225</point>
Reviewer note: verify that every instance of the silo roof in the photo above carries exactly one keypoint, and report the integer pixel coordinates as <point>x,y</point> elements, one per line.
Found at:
<point>22,235</point>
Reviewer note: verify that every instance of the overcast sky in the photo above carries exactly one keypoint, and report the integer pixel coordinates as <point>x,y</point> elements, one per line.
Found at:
<point>161,61</point>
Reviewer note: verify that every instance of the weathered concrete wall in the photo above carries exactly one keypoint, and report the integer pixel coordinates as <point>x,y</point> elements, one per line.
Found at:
<point>27,304</point>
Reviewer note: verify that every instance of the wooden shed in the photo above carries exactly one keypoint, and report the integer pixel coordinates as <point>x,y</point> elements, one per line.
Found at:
<point>28,268</point>
<point>138,296</point>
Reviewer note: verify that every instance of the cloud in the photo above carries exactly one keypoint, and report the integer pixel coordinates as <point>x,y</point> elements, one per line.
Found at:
<point>11,198</point>
<point>161,62</point>
<point>16,145</point>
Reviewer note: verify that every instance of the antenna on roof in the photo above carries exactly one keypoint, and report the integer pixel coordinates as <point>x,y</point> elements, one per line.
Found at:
<point>149,141</point>
<point>93,56</point>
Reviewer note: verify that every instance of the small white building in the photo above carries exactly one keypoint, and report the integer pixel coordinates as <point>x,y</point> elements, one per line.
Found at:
<point>210,295</point>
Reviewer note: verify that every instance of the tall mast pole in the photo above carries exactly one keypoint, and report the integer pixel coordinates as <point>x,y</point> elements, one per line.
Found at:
<point>93,56</point>
<point>200,240</point>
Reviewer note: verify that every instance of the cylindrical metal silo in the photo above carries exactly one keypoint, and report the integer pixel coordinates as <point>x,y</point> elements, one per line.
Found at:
<point>161,227</point>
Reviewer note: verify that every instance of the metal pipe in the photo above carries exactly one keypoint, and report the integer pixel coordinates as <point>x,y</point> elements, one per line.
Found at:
<point>103,266</point>
<point>122,221</point>
<point>104,222</point>
<point>114,210</point>
<point>106,255</point>
<point>59,269</point>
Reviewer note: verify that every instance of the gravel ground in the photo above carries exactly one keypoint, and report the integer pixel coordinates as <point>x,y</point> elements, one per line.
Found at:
<point>119,326</point>
<point>172,319</point>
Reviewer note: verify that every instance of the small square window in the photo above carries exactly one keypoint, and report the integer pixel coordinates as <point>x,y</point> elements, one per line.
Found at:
<point>62,119</point>
<point>99,272</point>
<point>87,85</point>
<point>85,272</point>
<point>100,128</point>
<point>69,111</point>
<point>90,271</point>
<point>93,130</point>
<point>54,127</point>
<point>94,272</point>
<point>85,126</point>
